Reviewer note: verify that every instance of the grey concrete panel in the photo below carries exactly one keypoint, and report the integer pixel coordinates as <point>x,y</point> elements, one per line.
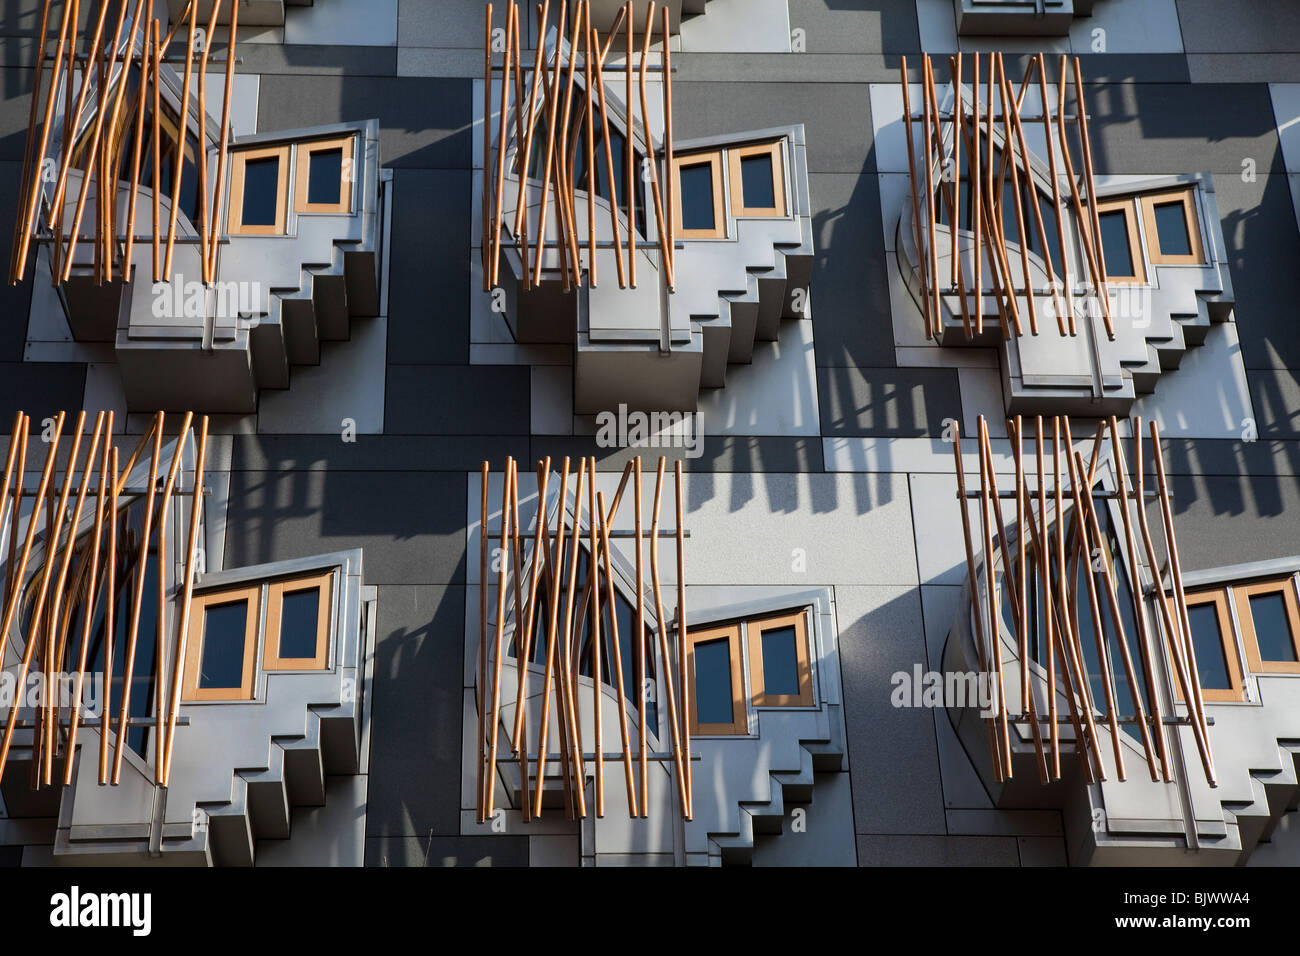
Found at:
<point>39,390</point>
<point>893,850</point>
<point>416,728</point>
<point>745,453</point>
<point>1253,26</point>
<point>410,524</point>
<point>898,402</point>
<point>1275,397</point>
<point>451,24</point>
<point>1235,68</point>
<point>457,400</point>
<point>374,452</point>
<point>349,61</point>
<point>1222,521</point>
<point>448,851</point>
<point>15,102</point>
<point>423,122</point>
<point>833,26</point>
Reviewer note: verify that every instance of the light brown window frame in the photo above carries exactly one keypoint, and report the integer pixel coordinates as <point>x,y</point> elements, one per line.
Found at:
<point>1127,206</point>
<point>754,629</point>
<point>194,648</point>
<point>1148,202</point>
<point>1241,595</point>
<point>302,175</point>
<point>739,725</point>
<point>714,159</point>
<point>235,211</point>
<point>271,659</point>
<point>738,208</point>
<point>1227,637</point>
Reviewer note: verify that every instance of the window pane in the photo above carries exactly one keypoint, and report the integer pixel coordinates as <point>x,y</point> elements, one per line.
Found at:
<point>261,191</point>
<point>713,700</point>
<point>325,177</point>
<point>1272,629</point>
<point>780,661</point>
<point>224,627</point>
<point>1207,641</point>
<point>756,181</point>
<point>1114,244</point>
<point>298,623</point>
<point>1171,226</point>
<point>697,196</point>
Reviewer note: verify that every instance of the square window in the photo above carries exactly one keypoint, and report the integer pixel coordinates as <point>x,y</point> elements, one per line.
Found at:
<point>779,671</point>
<point>717,703</point>
<point>1270,625</point>
<point>259,182</point>
<point>297,623</point>
<point>323,176</point>
<point>221,651</point>
<point>1172,228</point>
<point>757,180</point>
<point>1214,643</point>
<point>697,200</point>
<point>1121,250</point>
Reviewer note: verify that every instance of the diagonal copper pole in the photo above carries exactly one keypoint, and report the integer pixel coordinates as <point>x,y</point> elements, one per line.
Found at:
<point>184,119</point>
<point>629,782</point>
<point>224,149</point>
<point>524,640</point>
<point>22,225</point>
<point>556,564</point>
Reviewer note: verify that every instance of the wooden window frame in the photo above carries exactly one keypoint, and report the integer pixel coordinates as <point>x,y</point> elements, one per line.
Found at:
<point>192,692</point>
<point>302,176</point>
<point>1148,202</point>
<point>1241,595</point>
<point>755,629</point>
<point>714,159</point>
<point>1236,693</point>
<point>1127,206</point>
<point>271,659</point>
<point>739,725</point>
<point>738,208</point>
<point>235,211</point>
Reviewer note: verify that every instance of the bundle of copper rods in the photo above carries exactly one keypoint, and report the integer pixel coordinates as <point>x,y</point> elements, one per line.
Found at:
<point>110,57</point>
<point>578,44</point>
<point>935,178</point>
<point>61,597</point>
<point>539,588</point>
<point>1070,527</point>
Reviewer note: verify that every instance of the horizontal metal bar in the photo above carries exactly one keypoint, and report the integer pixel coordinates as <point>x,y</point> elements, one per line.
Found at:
<point>1107,495</point>
<point>1064,721</point>
<point>97,721</point>
<point>610,757</point>
<point>139,490</point>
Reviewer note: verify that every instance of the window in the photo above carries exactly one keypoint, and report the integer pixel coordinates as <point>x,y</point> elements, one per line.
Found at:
<point>259,182</point>
<point>698,196</point>
<point>1270,625</point>
<point>220,655</point>
<point>1120,248</point>
<point>297,624</point>
<point>1173,233</point>
<point>716,683</point>
<point>757,180</point>
<point>1214,644</point>
<point>779,672</point>
<point>323,176</point>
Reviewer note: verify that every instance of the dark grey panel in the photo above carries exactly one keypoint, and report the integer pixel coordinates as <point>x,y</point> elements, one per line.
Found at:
<point>1263,457</point>
<point>430,251</point>
<point>1275,397</point>
<point>896,402</point>
<point>891,850</point>
<point>852,324</point>
<point>11,856</point>
<point>833,26</point>
<point>452,24</point>
<point>15,301</point>
<point>457,400</point>
<point>1244,26</point>
<point>415,733</point>
<point>448,851</point>
<point>1235,68</point>
<point>350,61</point>
<point>720,453</point>
<point>15,107</point>
<point>40,391</point>
<point>423,122</point>
<point>411,524</point>
<point>373,452</point>
<point>1222,520</point>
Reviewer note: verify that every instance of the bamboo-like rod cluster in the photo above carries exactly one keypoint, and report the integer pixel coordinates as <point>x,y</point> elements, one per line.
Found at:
<point>113,152</point>
<point>1069,535</point>
<point>539,587</point>
<point>569,122</point>
<point>81,571</point>
<point>990,121</point>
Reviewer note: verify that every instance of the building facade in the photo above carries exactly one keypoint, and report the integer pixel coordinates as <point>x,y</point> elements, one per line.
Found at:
<point>701,433</point>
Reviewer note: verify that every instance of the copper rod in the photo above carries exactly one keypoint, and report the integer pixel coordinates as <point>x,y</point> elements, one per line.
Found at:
<point>526,165</point>
<point>110,179</point>
<point>137,598</point>
<point>958,278</point>
<point>1104,293</point>
<point>670,183</point>
<point>180,146</point>
<point>201,160</point>
<point>38,69</point>
<point>997,239</point>
<point>110,608</point>
<point>641,679</point>
<point>575,248</point>
<point>495,724</point>
<point>991,588</point>
<point>552,106</point>
<point>521,234</point>
<point>958,122</point>
<point>596,693</point>
<point>16,442</point>
<point>1009,150</point>
<point>1093,255</point>
<point>494,261</point>
<point>629,782</point>
<point>521,667</point>
<point>482,635</point>
<point>157,156</point>
<point>219,190</point>
<point>563,186</point>
<point>930,213</point>
<point>1045,574</point>
<point>1022,578</point>
<point>124,475</point>
<point>552,620</point>
<point>146,58</point>
<point>916,206</point>
<point>70,71</point>
<point>524,643</point>
<point>187,598</point>
<point>167,40</point>
<point>977,184</point>
<point>590,51</point>
<point>487,197</point>
<point>565,651</point>
<point>160,659</point>
<point>609,160</point>
<point>651,159</point>
<point>681,637</point>
<point>1056,192</point>
<point>662,628</point>
<point>631,198</point>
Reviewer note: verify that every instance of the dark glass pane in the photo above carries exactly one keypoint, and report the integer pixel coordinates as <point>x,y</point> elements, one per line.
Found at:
<point>1114,243</point>
<point>298,623</point>
<point>261,191</point>
<point>756,181</point>
<point>1207,641</point>
<point>1272,628</point>
<point>224,627</point>
<point>1171,227</point>
<point>324,177</point>
<point>697,196</point>
<point>713,701</point>
<point>780,661</point>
